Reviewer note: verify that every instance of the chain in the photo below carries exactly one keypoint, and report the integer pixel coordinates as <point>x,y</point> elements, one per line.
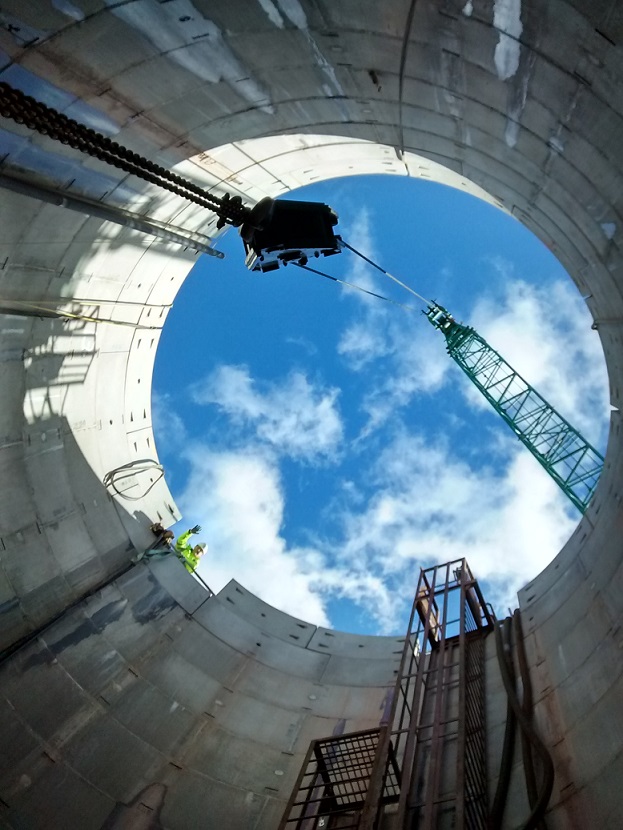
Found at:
<point>23,109</point>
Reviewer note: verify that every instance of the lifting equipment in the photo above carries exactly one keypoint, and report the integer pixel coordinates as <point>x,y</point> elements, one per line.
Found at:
<point>276,233</point>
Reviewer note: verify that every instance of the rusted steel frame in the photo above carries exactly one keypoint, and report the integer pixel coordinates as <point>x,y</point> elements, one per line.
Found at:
<point>357,758</point>
<point>395,770</point>
<point>410,743</point>
<point>475,743</point>
<point>323,772</point>
<point>384,755</point>
<point>473,603</point>
<point>285,823</point>
<point>461,736</point>
<point>377,781</point>
<point>430,816</point>
<point>443,723</point>
<point>310,806</point>
<point>427,608</point>
<point>473,709</point>
<point>476,810</point>
<point>339,785</point>
<point>353,752</point>
<point>485,609</point>
<point>475,750</point>
<point>421,743</point>
<point>424,595</point>
<point>346,737</point>
<point>408,651</point>
<point>408,657</point>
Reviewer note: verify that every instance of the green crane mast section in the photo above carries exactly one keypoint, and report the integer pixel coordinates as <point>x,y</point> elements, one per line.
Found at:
<point>570,460</point>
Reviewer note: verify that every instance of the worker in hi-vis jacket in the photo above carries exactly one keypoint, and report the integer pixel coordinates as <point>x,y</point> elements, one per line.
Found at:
<point>188,553</point>
<point>185,552</point>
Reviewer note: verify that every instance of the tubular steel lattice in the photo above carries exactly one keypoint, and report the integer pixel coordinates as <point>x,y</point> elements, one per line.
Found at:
<point>439,717</point>
<point>429,753</point>
<point>571,461</point>
<point>335,782</point>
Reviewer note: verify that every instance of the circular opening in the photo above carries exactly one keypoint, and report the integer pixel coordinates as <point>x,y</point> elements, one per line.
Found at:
<point>325,440</point>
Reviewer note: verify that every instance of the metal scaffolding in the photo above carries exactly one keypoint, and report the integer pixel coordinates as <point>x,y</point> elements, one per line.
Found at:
<point>339,777</point>
<point>429,755</point>
<point>439,719</point>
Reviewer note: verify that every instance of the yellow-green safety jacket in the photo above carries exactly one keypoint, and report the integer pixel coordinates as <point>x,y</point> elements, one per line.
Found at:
<point>185,552</point>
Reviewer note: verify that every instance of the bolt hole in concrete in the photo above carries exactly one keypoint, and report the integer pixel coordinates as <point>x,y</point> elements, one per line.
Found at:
<point>323,438</point>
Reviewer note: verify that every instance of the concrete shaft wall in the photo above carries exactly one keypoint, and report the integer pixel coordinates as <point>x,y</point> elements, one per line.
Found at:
<point>519,100</point>
<point>152,703</point>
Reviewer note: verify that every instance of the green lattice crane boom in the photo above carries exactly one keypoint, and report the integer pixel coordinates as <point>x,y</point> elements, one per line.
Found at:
<point>571,461</point>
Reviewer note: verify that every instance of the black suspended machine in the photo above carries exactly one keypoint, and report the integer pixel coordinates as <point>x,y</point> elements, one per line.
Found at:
<point>279,232</point>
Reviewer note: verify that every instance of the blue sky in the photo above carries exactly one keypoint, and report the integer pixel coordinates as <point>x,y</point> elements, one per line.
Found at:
<point>325,441</point>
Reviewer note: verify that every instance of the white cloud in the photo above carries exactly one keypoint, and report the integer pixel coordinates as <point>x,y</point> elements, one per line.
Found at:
<point>363,341</point>
<point>419,364</point>
<point>238,500</point>
<point>400,353</point>
<point>360,272</point>
<point>295,417</point>
<point>428,508</point>
<point>167,422</point>
<point>366,338</point>
<point>417,504</point>
<point>306,345</point>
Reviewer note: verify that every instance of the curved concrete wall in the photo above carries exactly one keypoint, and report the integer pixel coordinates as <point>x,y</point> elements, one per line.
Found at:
<point>203,708</point>
<point>523,100</point>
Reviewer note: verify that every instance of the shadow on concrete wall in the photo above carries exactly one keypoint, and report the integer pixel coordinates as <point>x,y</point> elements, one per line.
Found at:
<point>64,537</point>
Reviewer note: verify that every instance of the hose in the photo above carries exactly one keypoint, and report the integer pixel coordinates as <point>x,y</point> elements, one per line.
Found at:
<point>525,724</point>
<point>526,705</point>
<point>129,470</point>
<point>508,747</point>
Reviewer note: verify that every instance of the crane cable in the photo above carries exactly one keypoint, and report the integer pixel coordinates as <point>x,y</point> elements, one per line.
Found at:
<point>387,274</point>
<point>360,287</point>
<point>353,285</point>
<point>23,109</point>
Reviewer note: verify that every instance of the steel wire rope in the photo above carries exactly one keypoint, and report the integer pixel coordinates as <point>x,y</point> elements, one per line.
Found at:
<point>353,285</point>
<point>129,470</point>
<point>525,724</point>
<point>23,109</point>
<point>387,274</point>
